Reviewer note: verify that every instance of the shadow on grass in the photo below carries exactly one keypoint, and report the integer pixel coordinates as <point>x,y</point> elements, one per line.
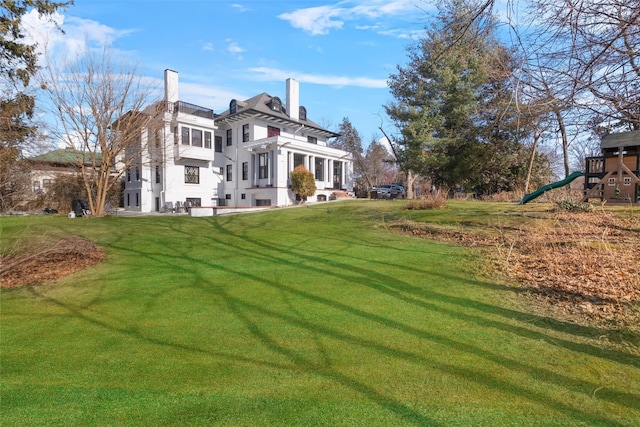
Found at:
<point>306,263</point>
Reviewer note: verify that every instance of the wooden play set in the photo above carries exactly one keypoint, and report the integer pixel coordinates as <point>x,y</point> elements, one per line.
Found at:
<point>614,177</point>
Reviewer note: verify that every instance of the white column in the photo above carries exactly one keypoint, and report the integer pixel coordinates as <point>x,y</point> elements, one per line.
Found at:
<point>256,166</point>
<point>271,165</point>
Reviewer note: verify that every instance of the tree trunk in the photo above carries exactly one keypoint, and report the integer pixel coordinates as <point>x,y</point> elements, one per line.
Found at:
<point>565,142</point>
<point>410,180</point>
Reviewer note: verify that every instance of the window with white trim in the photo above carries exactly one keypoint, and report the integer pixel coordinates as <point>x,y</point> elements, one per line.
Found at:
<point>245,133</point>
<point>196,137</point>
<point>263,165</point>
<point>185,135</point>
<point>191,175</point>
<point>319,166</point>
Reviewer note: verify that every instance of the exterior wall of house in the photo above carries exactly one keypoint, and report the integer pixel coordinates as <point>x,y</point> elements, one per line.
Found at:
<point>280,154</point>
<point>179,164</point>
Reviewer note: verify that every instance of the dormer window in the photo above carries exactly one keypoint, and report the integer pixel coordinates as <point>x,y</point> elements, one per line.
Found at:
<point>302,115</point>
<point>276,104</point>
<point>233,106</point>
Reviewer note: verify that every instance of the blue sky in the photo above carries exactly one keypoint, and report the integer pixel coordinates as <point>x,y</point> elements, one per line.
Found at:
<point>342,53</point>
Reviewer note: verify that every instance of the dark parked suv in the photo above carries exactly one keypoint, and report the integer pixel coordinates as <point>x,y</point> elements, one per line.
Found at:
<point>391,191</point>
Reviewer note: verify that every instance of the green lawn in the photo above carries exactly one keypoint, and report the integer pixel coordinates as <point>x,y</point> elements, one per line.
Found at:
<point>310,316</point>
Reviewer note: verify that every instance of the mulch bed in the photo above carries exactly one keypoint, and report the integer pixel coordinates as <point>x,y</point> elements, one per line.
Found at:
<point>50,261</point>
<point>583,266</point>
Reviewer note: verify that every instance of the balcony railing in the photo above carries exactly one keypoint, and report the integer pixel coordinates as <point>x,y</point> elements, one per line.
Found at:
<point>195,110</point>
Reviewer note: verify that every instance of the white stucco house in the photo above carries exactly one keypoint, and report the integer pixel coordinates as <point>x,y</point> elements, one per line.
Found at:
<point>241,157</point>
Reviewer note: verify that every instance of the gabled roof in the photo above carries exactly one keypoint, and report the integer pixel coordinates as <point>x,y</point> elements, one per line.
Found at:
<point>259,106</point>
<point>65,157</point>
<point>622,139</point>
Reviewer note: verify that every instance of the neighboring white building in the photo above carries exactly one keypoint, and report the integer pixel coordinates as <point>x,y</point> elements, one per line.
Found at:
<point>242,157</point>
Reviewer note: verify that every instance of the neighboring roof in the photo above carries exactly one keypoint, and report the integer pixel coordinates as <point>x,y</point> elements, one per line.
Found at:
<point>259,106</point>
<point>64,157</point>
<point>623,139</point>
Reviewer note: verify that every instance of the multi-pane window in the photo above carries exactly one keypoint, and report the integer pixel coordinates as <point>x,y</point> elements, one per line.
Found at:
<point>319,164</point>
<point>191,175</point>
<point>193,201</point>
<point>612,182</point>
<point>46,183</point>
<point>157,174</point>
<point>229,137</point>
<point>245,171</point>
<point>312,139</point>
<point>218,144</point>
<point>185,135</point>
<point>272,131</point>
<point>245,133</point>
<point>196,137</point>
<point>263,165</point>
<point>36,186</point>
<point>137,173</point>
<point>298,159</point>
<point>229,172</point>
<point>626,181</point>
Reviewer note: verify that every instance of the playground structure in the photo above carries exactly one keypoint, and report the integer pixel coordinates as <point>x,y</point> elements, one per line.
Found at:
<point>613,177</point>
<point>540,191</point>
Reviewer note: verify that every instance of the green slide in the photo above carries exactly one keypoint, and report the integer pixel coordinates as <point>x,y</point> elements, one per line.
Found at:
<point>529,197</point>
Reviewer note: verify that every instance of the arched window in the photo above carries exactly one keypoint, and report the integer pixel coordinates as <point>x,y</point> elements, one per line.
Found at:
<point>302,115</point>
<point>233,106</point>
<point>276,104</point>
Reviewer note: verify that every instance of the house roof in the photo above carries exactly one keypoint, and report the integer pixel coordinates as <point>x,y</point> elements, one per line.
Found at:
<point>259,106</point>
<point>623,139</point>
<point>65,157</point>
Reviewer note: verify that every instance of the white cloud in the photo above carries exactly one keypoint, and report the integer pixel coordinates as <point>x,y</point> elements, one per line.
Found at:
<point>240,7</point>
<point>274,74</point>
<point>78,33</point>
<point>321,20</point>
<point>208,46</point>
<point>315,20</point>
<point>233,47</point>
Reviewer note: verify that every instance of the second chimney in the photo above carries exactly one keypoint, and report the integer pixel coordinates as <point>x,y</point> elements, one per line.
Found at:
<point>293,99</point>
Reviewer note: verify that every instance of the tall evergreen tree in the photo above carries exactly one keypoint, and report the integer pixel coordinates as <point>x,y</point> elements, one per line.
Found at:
<point>18,64</point>
<point>453,105</point>
<point>350,141</point>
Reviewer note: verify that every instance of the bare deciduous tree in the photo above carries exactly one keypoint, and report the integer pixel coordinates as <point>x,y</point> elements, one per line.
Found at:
<point>100,105</point>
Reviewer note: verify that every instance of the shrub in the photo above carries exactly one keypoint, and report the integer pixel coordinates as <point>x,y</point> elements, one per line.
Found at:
<point>574,206</point>
<point>435,201</point>
<point>303,182</point>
